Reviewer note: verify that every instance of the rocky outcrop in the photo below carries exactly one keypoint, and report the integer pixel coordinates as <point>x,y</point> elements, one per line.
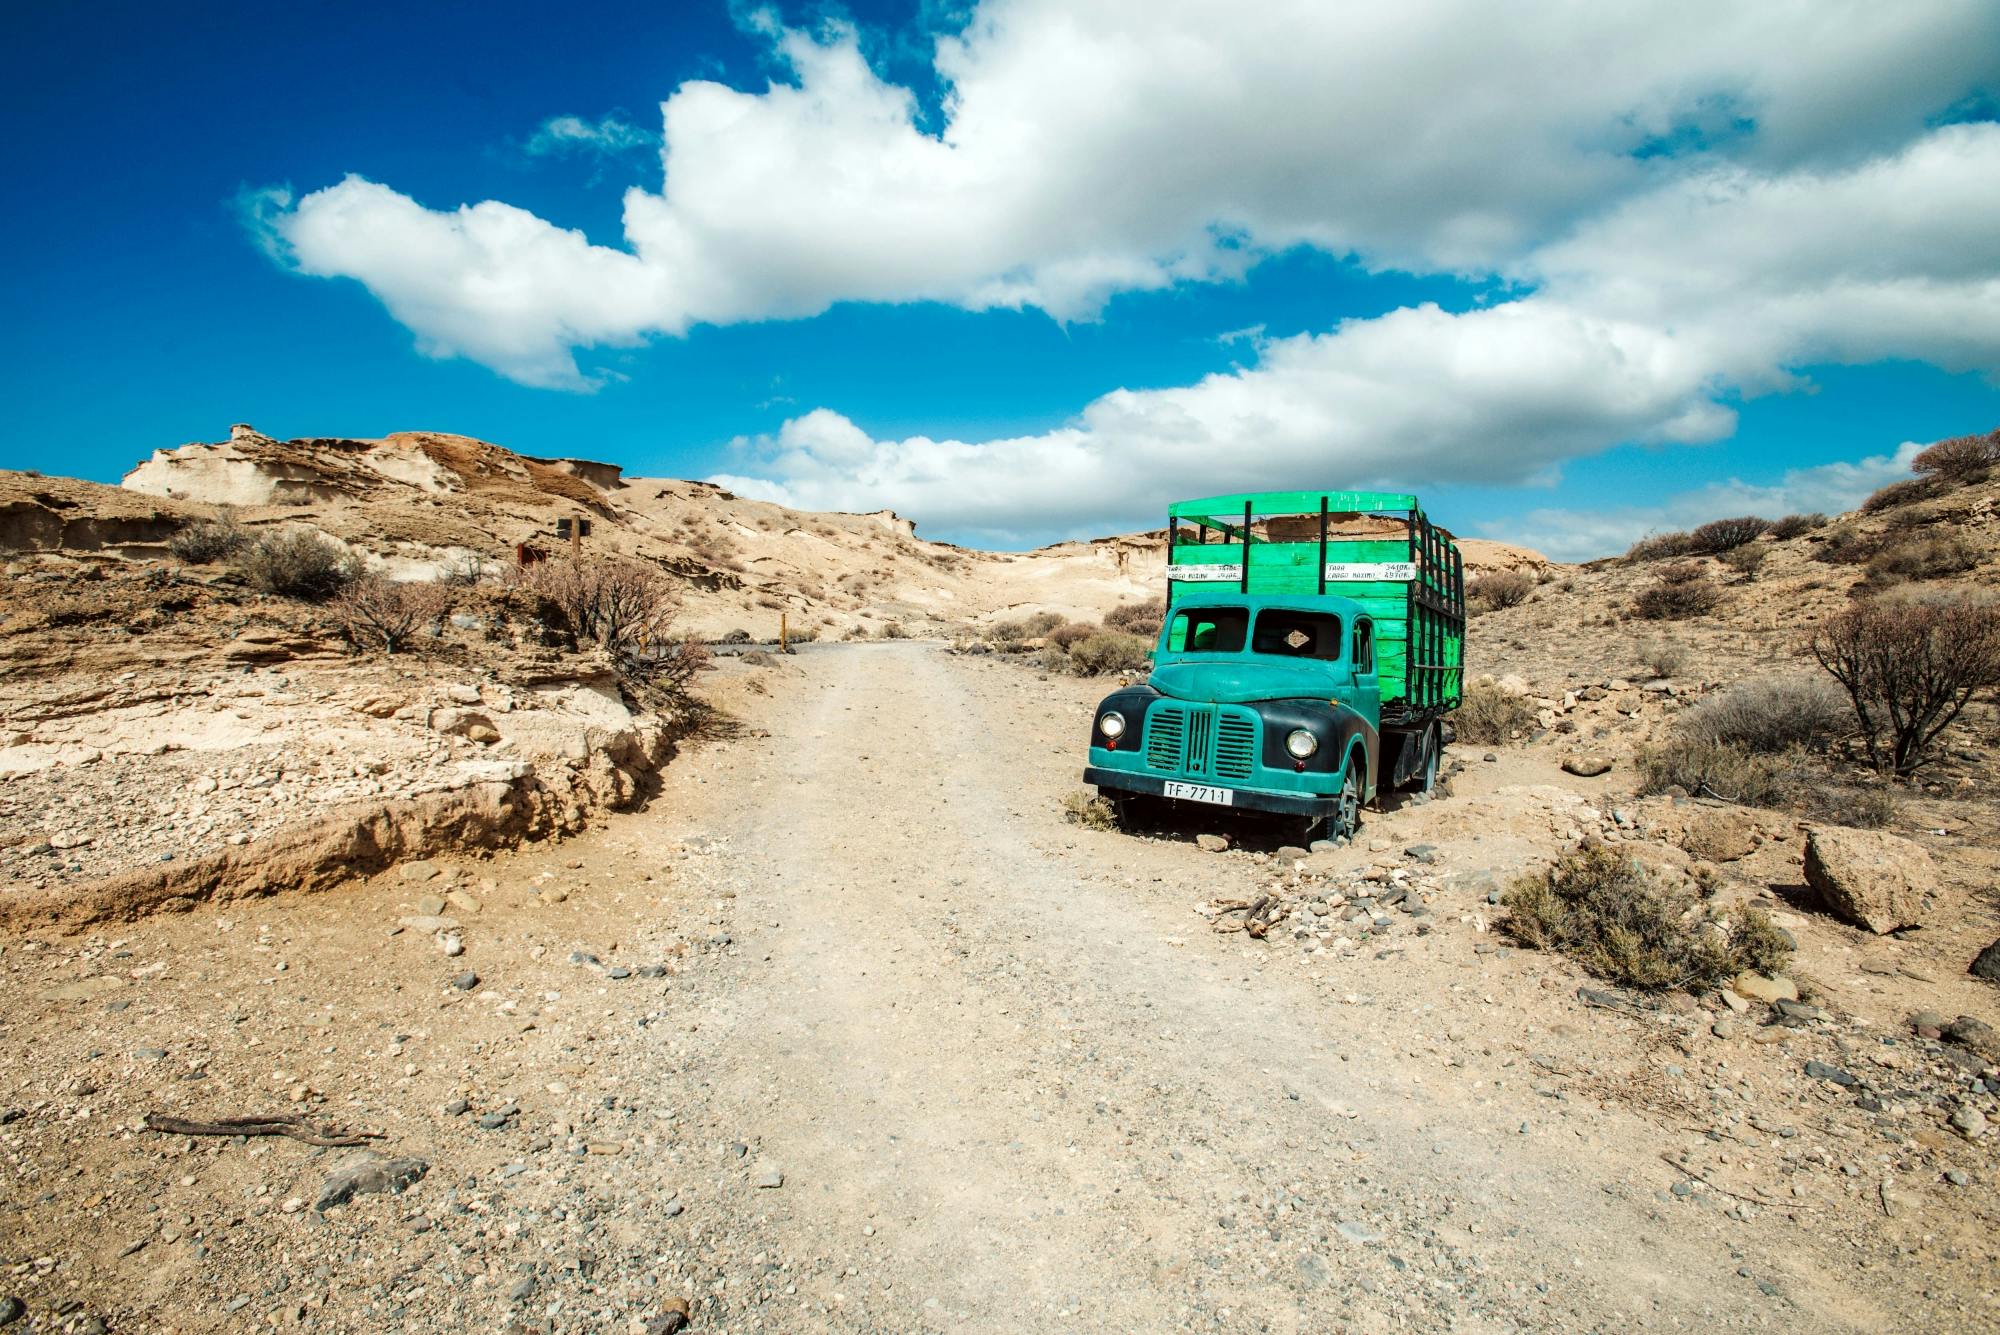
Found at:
<point>494,803</point>
<point>1873,880</point>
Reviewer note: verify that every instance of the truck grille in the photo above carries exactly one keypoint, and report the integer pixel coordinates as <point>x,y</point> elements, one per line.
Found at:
<point>1201,739</point>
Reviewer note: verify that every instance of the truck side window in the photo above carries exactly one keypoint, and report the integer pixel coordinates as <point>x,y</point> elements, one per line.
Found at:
<point>1209,630</point>
<point>1364,646</point>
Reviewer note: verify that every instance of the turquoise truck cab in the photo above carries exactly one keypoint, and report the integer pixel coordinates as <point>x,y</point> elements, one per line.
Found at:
<point>1310,652</point>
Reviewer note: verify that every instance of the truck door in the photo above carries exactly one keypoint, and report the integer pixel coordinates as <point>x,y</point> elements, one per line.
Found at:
<point>1364,692</point>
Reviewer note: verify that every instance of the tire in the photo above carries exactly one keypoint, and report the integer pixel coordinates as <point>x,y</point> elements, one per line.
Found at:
<point>1430,757</point>
<point>1137,813</point>
<point>1345,821</point>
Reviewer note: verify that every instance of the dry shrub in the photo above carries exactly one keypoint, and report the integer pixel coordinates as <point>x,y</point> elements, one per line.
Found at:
<point>386,614</point>
<point>1109,651</point>
<point>894,630</point>
<point>1678,596</point>
<point>1602,909</point>
<point>1907,492</point>
<point>1490,714</point>
<point>1092,813</point>
<point>466,570</point>
<point>1962,459</point>
<point>1504,588</point>
<point>1683,572</point>
<point>1032,627</point>
<point>298,563</point>
<point>1722,535</point>
<point>1661,546</point>
<point>1770,715</point>
<point>1746,559</point>
<point>1795,526</point>
<point>1840,804</point>
<point>1663,657</point>
<point>1845,547</point>
<point>1909,669</point>
<point>1704,768</point>
<point>209,540</point>
<point>1924,558</point>
<point>1070,633</point>
<point>1138,618</point>
<point>616,604</point>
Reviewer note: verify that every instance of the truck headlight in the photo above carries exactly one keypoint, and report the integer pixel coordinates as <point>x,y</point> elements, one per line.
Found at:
<point>1112,724</point>
<point>1301,743</point>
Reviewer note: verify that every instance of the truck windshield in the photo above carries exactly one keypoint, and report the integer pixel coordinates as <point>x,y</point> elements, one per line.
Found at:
<point>1209,630</point>
<point>1297,634</point>
<point>1224,630</point>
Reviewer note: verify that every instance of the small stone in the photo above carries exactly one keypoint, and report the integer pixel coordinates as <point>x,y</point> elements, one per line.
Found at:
<point>369,1172</point>
<point>1987,964</point>
<point>1958,1177</point>
<point>151,1054</point>
<point>523,1289</point>
<point>1421,853</point>
<point>617,971</point>
<point>1211,843</point>
<point>769,1177</point>
<point>466,981</point>
<point>430,906</point>
<point>553,894</point>
<point>1490,757</point>
<point>1969,1122</point>
<point>1290,853</point>
<point>451,945</point>
<point>1759,988</point>
<point>1734,1000</point>
<point>1724,1029</point>
<point>457,1107</point>
<point>12,1309</point>
<point>418,871</point>
<point>1587,766</point>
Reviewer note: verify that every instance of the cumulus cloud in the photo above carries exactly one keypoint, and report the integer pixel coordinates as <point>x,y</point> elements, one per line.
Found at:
<point>1122,145</point>
<point>1582,535</point>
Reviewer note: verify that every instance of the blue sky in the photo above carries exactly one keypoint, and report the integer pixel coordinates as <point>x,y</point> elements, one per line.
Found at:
<point>1035,282</point>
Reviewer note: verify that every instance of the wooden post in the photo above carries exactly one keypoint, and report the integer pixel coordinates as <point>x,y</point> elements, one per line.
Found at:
<point>784,635</point>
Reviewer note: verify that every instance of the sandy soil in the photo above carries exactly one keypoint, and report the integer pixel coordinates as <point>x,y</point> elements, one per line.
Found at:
<point>848,1031</point>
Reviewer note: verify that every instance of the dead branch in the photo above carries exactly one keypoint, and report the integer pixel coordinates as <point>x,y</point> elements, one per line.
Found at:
<point>298,1128</point>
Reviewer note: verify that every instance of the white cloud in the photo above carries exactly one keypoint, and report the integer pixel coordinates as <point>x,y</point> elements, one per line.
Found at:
<point>563,136</point>
<point>1122,145</point>
<point>1582,535</point>
<point>1737,279</point>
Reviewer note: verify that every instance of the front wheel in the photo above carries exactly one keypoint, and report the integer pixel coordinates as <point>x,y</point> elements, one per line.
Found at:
<point>1345,819</point>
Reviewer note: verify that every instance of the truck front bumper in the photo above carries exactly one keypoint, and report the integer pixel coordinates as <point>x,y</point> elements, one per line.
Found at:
<point>1246,799</point>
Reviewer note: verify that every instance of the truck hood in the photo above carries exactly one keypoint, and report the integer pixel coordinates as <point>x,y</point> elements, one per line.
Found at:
<point>1238,681</point>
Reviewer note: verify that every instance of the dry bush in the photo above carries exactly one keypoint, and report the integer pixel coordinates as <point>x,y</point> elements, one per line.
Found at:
<point>466,570</point>
<point>1663,657</point>
<point>1661,546</point>
<point>1683,572</point>
<point>1138,618</point>
<point>1032,627</point>
<point>616,604</point>
<point>209,540</point>
<point>1109,651</point>
<point>1770,715</point>
<point>1677,596</point>
<point>1504,588</point>
<point>386,614</point>
<point>1962,459</point>
<point>298,563</point>
<point>1746,559</point>
<point>663,673</point>
<point>894,630</point>
<point>1794,526</point>
<point>1845,547</point>
<point>1092,813</point>
<point>1490,714</point>
<point>1070,633</point>
<point>1907,492</point>
<point>1600,908</point>
<point>1704,768</point>
<point>1909,669</point>
<point>1924,558</point>
<point>1722,535</point>
<point>1840,804</point>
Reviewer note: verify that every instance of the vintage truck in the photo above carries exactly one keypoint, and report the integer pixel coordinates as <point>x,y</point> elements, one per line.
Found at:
<point>1310,658</point>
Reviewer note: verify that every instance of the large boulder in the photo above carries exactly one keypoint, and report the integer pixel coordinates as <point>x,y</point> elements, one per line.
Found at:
<point>1987,964</point>
<point>1873,880</point>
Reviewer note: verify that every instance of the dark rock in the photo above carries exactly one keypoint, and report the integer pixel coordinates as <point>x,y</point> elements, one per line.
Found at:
<point>1821,1071</point>
<point>466,981</point>
<point>1987,964</point>
<point>367,1172</point>
<point>1421,852</point>
<point>12,1309</point>
<point>652,971</point>
<point>1970,1032</point>
<point>618,971</point>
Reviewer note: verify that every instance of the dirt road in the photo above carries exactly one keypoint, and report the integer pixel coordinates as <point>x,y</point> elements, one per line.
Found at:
<point>928,1059</point>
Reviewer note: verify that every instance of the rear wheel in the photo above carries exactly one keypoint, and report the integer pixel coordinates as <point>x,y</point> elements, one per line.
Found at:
<point>1428,759</point>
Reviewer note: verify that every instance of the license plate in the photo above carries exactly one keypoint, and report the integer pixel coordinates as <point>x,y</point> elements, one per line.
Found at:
<point>1195,792</point>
